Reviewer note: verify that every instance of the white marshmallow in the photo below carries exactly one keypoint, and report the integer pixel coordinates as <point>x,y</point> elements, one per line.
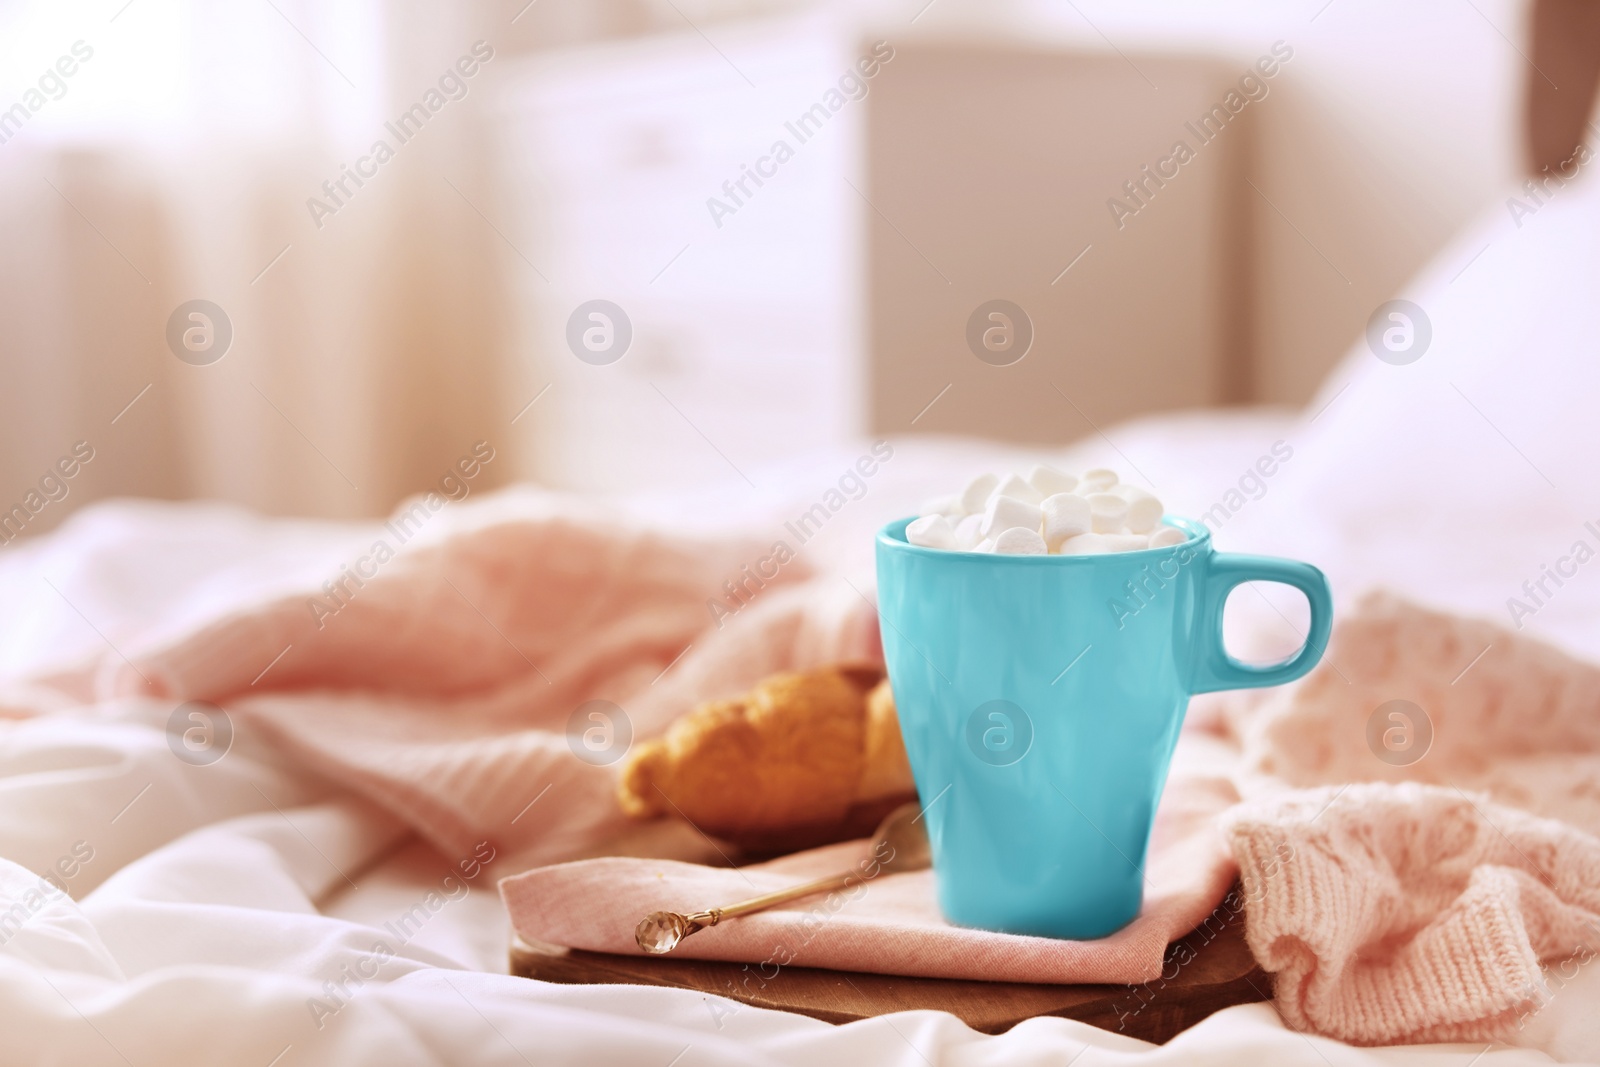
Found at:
<point>1167,536</point>
<point>1108,512</point>
<point>1019,541</point>
<point>968,532</point>
<point>931,531</point>
<point>1050,481</point>
<point>976,494</point>
<point>1046,512</point>
<point>1015,487</point>
<point>1065,515</point>
<point>1144,510</point>
<point>1092,544</point>
<point>1004,512</point>
<point>1097,480</point>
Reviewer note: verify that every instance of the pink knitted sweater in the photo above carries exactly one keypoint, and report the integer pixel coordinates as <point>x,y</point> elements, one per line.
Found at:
<point>1413,896</point>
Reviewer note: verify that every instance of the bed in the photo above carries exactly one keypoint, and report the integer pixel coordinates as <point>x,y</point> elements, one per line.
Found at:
<point>225,910</point>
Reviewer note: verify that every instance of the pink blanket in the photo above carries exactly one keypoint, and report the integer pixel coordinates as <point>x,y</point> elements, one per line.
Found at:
<point>443,684</point>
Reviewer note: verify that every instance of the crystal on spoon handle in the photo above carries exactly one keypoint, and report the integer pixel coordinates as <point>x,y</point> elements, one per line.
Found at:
<point>659,932</point>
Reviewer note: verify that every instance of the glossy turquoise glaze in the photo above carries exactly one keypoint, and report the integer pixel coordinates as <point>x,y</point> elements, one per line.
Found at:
<point>1040,699</point>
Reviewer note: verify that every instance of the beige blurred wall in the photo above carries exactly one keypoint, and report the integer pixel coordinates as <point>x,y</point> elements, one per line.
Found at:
<point>1394,125</point>
<point>991,172</point>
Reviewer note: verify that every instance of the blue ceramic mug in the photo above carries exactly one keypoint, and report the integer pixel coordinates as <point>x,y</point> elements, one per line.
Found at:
<point>1040,699</point>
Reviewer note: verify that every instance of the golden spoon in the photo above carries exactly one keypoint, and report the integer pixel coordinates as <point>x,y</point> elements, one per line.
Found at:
<point>900,844</point>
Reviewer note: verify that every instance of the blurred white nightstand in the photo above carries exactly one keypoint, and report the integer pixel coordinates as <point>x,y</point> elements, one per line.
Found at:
<point>746,341</point>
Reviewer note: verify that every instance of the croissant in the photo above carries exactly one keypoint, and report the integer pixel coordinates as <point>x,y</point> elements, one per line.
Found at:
<point>799,754</point>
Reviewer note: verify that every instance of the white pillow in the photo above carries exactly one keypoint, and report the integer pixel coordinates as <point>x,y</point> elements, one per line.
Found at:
<point>1456,477</point>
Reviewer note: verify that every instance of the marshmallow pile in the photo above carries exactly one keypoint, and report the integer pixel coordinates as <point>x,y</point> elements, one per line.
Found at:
<point>1047,512</point>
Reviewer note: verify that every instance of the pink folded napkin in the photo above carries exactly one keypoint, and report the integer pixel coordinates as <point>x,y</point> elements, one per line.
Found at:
<point>889,924</point>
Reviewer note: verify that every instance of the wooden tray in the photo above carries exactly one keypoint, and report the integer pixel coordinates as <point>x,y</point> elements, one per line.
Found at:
<point>1207,971</point>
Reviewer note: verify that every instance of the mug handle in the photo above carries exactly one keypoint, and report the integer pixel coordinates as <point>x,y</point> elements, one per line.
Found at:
<point>1214,667</point>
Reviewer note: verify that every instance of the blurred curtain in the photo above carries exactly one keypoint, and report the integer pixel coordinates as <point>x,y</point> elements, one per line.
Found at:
<point>176,163</point>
